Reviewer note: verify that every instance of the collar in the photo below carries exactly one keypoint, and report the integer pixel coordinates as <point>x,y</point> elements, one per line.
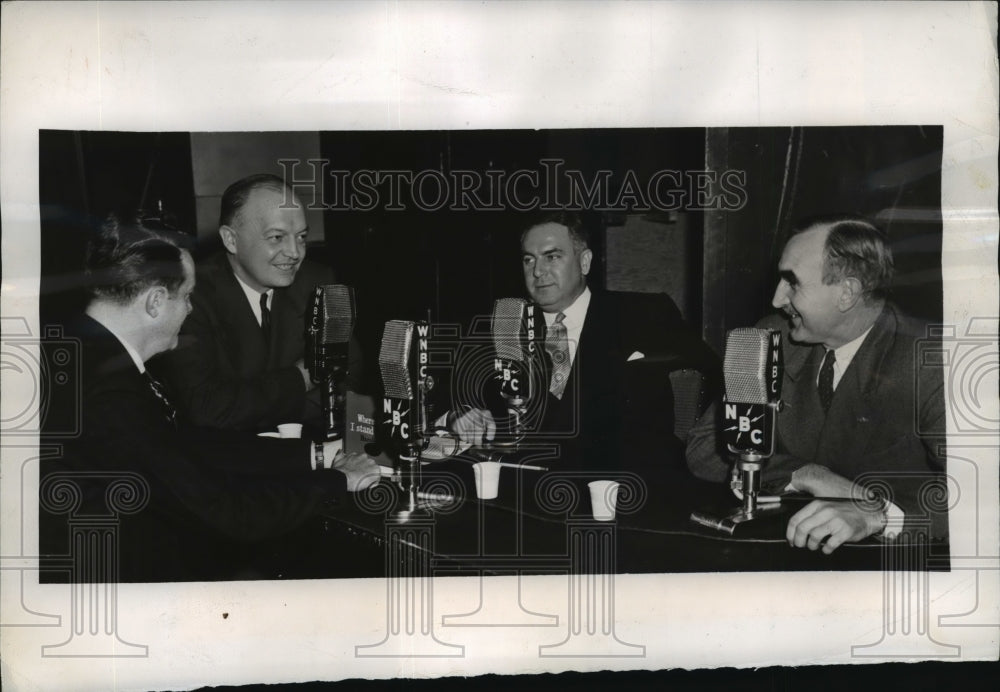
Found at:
<point>253,295</point>
<point>845,354</point>
<point>576,313</point>
<point>133,354</point>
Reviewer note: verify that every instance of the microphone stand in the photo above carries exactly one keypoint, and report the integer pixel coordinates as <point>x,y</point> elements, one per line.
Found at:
<point>407,474</point>
<point>745,482</point>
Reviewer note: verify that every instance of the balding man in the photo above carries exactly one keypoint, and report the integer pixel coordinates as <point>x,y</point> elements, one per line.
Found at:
<point>859,410</point>
<point>241,359</point>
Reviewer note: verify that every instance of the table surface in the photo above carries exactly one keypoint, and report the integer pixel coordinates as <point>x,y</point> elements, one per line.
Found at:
<point>540,519</point>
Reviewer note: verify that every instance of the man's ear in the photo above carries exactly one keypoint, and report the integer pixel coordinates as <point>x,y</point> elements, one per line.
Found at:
<point>585,258</point>
<point>851,291</point>
<point>228,235</point>
<point>155,299</point>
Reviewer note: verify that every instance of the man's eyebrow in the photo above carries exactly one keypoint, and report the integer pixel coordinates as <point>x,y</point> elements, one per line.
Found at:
<point>788,275</point>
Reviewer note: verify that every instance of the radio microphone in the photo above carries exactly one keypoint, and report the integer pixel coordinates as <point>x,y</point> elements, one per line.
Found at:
<point>753,372</point>
<point>328,336</point>
<point>403,361</point>
<point>513,328</point>
<point>752,369</point>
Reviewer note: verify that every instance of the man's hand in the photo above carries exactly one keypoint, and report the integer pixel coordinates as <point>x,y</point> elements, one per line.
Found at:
<point>473,427</point>
<point>837,522</point>
<point>301,365</point>
<point>361,470</point>
<point>822,482</point>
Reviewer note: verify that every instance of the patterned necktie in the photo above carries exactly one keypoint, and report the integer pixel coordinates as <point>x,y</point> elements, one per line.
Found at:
<point>168,409</point>
<point>265,318</point>
<point>825,383</point>
<point>557,346</point>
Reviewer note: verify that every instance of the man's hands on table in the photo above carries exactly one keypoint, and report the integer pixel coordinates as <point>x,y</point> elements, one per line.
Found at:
<point>828,524</point>
<point>473,426</point>
<point>361,470</point>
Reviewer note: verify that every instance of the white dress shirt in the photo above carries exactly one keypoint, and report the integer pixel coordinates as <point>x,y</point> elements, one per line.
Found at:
<point>253,297</point>
<point>843,357</point>
<point>575,314</point>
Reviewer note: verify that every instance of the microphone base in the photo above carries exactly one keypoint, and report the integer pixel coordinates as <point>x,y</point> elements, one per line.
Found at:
<point>420,513</point>
<point>727,524</point>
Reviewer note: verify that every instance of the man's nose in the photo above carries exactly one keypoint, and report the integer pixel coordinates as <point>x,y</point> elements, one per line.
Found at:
<point>537,270</point>
<point>780,298</point>
<point>290,247</point>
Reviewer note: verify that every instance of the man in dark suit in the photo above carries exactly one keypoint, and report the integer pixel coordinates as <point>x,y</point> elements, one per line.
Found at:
<point>241,359</point>
<point>213,496</point>
<point>859,410</point>
<point>601,404</point>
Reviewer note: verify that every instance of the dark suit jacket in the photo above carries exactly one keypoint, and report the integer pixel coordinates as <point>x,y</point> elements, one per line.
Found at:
<point>210,492</point>
<point>886,423</point>
<point>223,373</point>
<point>616,413</point>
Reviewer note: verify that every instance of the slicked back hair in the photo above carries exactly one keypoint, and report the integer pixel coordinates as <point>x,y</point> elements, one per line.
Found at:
<point>856,248</point>
<point>570,219</point>
<point>237,194</point>
<point>127,257</point>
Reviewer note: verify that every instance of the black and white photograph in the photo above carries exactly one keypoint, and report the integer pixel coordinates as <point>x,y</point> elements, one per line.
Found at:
<point>342,366</point>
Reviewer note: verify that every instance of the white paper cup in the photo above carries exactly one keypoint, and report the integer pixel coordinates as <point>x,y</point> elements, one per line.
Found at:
<point>290,430</point>
<point>603,498</point>
<point>269,434</point>
<point>487,479</point>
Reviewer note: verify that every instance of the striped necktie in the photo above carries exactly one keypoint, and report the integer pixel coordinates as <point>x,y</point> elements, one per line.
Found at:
<point>169,412</point>
<point>557,346</point>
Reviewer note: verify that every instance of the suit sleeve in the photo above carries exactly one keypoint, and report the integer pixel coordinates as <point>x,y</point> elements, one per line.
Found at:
<point>213,394</point>
<point>236,487</point>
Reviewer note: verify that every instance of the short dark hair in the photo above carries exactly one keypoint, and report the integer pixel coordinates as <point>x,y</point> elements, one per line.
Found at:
<point>236,195</point>
<point>572,220</point>
<point>127,257</point>
<point>857,248</point>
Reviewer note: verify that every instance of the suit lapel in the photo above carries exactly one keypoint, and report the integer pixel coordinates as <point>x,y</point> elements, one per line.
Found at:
<point>800,421</point>
<point>851,408</point>
<point>240,322</point>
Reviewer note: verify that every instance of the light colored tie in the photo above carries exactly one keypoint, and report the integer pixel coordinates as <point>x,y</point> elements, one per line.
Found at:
<point>557,346</point>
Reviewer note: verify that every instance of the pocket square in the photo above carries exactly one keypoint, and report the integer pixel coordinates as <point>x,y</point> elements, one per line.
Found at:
<point>636,355</point>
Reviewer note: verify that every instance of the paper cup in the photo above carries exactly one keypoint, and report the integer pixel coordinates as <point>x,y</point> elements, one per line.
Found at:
<point>269,434</point>
<point>487,479</point>
<point>290,430</point>
<point>603,498</point>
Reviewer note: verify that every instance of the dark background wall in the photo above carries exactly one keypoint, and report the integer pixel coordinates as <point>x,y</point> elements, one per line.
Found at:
<point>890,174</point>
<point>449,265</point>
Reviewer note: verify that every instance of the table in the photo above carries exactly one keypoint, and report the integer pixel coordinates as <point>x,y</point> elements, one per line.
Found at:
<point>541,523</point>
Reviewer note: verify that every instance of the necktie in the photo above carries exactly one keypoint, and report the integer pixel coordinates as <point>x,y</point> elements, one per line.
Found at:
<point>557,346</point>
<point>168,409</point>
<point>825,383</point>
<point>265,318</point>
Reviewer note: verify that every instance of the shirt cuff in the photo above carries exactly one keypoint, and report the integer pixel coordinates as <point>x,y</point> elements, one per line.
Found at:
<point>319,459</point>
<point>894,519</point>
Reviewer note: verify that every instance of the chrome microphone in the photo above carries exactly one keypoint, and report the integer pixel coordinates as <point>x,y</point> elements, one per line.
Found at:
<point>513,329</point>
<point>403,361</point>
<point>753,372</point>
<point>328,336</point>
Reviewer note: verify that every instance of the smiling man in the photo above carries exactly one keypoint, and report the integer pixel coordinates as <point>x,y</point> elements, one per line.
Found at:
<point>241,359</point>
<point>605,408</point>
<point>218,501</point>
<point>859,410</point>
